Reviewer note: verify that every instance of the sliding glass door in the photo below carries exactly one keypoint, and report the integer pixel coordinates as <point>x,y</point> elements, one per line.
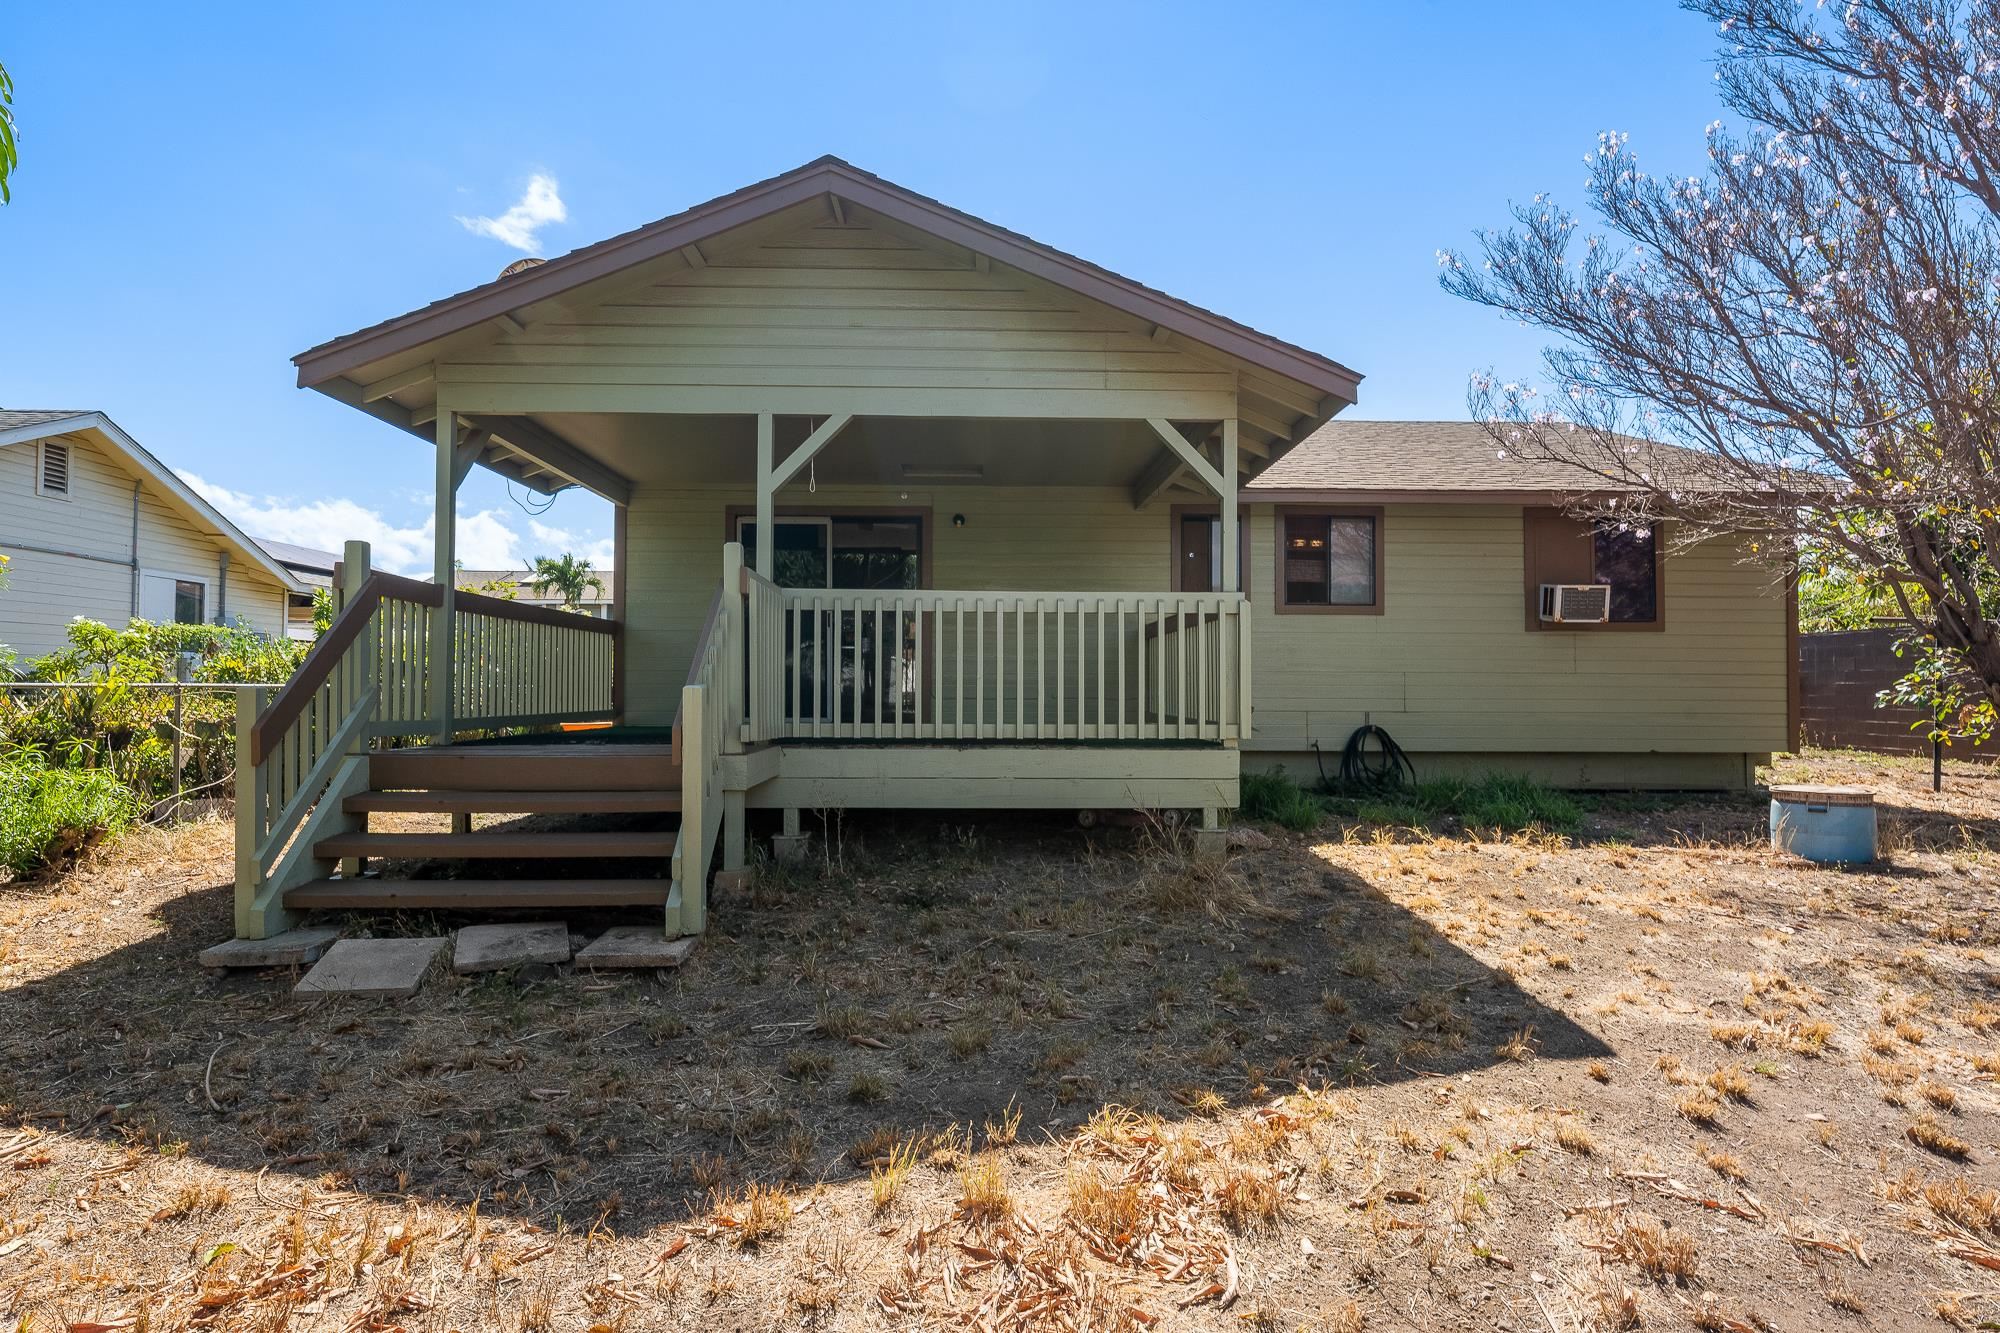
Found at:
<point>872,674</point>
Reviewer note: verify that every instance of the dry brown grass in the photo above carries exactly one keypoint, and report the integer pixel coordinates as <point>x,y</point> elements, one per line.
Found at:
<point>1661,1254</point>
<point>1574,1137</point>
<point>683,1152</point>
<point>1930,1134</point>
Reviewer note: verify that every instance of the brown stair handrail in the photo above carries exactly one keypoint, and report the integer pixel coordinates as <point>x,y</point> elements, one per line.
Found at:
<point>501,609</point>
<point>325,655</point>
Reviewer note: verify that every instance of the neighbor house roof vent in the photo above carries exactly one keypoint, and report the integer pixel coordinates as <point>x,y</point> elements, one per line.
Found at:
<point>55,468</point>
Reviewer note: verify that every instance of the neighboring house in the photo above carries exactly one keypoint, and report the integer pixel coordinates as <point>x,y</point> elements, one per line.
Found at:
<point>95,526</point>
<point>518,585</point>
<point>313,569</point>
<point>1041,537</point>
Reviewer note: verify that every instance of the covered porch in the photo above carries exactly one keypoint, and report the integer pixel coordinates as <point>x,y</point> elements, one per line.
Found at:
<point>899,497</point>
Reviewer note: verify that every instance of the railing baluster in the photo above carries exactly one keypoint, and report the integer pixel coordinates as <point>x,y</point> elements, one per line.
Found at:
<point>1000,730</point>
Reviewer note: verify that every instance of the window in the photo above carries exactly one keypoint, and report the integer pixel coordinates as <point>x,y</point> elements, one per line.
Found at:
<point>1197,549</point>
<point>1561,548</point>
<point>189,602</point>
<point>841,551</point>
<point>1330,560</point>
<point>52,474</point>
<point>1622,556</point>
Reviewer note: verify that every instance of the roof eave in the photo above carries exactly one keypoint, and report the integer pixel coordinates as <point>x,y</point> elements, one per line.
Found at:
<point>165,476</point>
<point>329,361</point>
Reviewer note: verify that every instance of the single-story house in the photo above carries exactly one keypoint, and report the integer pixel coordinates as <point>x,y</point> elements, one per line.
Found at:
<point>518,585</point>
<point>95,526</point>
<point>314,570</point>
<point>913,511</point>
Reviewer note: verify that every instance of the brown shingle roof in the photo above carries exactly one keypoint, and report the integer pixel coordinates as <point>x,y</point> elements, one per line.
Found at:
<point>1419,457</point>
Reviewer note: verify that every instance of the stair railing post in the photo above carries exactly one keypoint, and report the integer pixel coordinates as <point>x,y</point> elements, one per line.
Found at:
<point>254,920</point>
<point>735,648</point>
<point>360,668</point>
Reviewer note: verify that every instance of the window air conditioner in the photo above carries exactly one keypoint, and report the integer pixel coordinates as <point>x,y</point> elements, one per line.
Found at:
<point>1576,603</point>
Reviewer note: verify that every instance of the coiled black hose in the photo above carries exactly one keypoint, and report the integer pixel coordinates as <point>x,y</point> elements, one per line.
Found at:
<point>1371,761</point>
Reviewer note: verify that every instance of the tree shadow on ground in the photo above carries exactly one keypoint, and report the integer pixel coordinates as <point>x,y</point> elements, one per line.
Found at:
<point>922,973</point>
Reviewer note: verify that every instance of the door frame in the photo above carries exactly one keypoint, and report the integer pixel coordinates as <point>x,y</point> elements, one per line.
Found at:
<point>925,527</point>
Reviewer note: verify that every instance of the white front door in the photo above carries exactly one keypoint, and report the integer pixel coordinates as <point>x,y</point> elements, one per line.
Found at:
<point>169,599</point>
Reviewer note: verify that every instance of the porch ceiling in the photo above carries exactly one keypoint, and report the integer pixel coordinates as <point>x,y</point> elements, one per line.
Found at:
<point>721,450</point>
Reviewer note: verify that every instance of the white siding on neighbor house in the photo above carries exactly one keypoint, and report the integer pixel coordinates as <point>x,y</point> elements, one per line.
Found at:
<point>92,531</point>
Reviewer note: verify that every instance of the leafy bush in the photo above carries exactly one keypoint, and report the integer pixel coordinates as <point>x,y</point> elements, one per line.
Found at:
<point>1496,801</point>
<point>48,816</point>
<point>1275,798</point>
<point>107,723</point>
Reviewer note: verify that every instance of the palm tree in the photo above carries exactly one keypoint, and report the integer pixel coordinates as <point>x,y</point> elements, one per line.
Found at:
<point>569,575</point>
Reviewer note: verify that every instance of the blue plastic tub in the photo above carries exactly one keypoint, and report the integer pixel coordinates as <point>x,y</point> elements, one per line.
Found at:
<point>1831,825</point>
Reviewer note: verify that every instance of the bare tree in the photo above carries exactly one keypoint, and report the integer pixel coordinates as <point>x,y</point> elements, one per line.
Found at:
<point>1813,316</point>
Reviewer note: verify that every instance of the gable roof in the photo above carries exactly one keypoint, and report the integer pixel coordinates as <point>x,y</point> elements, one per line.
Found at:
<point>1436,460</point>
<point>823,176</point>
<point>24,426</point>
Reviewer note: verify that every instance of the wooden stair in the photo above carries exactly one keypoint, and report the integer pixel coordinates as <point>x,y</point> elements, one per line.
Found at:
<point>625,867</point>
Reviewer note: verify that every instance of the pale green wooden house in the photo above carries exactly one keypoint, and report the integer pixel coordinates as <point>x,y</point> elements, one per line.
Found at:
<point>915,512</point>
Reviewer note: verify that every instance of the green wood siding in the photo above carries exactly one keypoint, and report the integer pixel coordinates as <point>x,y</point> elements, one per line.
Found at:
<point>829,318</point>
<point>1449,666</point>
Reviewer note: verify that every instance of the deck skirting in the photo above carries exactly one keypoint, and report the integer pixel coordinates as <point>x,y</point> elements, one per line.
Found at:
<point>1000,777</point>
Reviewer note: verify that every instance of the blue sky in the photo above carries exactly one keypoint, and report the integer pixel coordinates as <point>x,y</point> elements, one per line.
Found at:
<point>207,189</point>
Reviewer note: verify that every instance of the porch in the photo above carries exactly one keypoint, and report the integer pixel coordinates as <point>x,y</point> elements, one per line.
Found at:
<point>422,699</point>
<point>823,347</point>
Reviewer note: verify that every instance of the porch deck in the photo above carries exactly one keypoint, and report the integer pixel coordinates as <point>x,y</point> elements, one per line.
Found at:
<point>795,700</point>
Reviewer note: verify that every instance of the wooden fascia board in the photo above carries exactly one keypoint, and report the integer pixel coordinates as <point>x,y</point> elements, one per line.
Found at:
<point>1323,495</point>
<point>1078,276</point>
<point>550,451</point>
<point>551,280</point>
<point>555,278</point>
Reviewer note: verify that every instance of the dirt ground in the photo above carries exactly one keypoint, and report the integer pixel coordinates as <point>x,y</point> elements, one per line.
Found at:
<point>1011,1073</point>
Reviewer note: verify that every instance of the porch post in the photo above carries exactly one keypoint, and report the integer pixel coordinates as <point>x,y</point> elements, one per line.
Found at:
<point>1232,572</point>
<point>442,667</point>
<point>767,508</point>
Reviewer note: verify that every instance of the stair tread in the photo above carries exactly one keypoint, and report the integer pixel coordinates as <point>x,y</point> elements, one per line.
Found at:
<point>573,767</point>
<point>453,800</point>
<point>498,842</point>
<point>329,894</point>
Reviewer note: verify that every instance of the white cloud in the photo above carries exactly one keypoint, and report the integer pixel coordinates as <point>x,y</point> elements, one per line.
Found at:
<point>486,538</point>
<point>557,541</point>
<point>540,205</point>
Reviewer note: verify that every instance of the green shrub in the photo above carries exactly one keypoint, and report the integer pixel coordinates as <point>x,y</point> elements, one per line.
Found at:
<point>1496,801</point>
<point>48,816</point>
<point>107,723</point>
<point>1276,799</point>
